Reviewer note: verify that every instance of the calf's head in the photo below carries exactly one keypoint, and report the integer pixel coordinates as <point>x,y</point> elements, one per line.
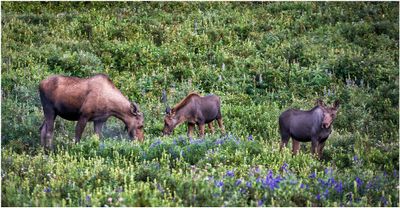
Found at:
<point>329,113</point>
<point>134,124</point>
<point>169,121</point>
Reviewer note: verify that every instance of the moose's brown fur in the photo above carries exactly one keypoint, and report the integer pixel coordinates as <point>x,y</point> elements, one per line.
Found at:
<point>92,99</point>
<point>195,110</point>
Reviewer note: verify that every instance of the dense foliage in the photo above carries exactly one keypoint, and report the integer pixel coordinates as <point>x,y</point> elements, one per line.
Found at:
<point>260,58</point>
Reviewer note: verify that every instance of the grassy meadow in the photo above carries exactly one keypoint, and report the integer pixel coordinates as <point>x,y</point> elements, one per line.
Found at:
<point>261,58</point>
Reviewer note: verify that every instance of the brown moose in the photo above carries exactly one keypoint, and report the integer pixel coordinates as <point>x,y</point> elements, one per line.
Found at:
<point>195,110</point>
<point>304,126</point>
<point>92,99</point>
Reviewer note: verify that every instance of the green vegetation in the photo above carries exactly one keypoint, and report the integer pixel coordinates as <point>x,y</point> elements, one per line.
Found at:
<point>260,58</point>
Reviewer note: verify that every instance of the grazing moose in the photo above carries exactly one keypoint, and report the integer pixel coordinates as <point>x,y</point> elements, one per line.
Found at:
<point>304,126</point>
<point>92,99</point>
<point>195,110</point>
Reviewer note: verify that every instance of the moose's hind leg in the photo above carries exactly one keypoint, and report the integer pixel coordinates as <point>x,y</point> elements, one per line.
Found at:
<point>295,146</point>
<point>210,126</point>
<point>284,140</point>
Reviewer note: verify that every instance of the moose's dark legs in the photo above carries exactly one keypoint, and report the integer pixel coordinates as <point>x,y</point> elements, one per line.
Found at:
<point>190,129</point>
<point>296,146</point>
<point>47,128</point>
<point>221,125</point>
<point>314,145</point>
<point>210,126</point>
<point>284,140</point>
<point>320,149</point>
<point>98,125</point>
<point>80,126</point>
<point>201,129</point>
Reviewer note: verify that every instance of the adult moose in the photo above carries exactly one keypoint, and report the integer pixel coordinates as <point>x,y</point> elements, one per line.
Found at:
<point>92,99</point>
<point>304,126</point>
<point>195,110</point>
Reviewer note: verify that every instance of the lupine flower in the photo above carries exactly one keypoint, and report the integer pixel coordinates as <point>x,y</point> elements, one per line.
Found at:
<point>47,190</point>
<point>302,185</point>
<point>156,143</point>
<point>270,181</point>
<point>87,198</point>
<point>312,175</point>
<point>284,167</point>
<point>384,201</point>
<point>230,173</point>
<point>318,197</point>
<point>219,184</point>
<point>260,203</point>
<point>355,158</point>
<point>328,171</point>
<point>326,193</point>
<point>219,141</point>
<point>359,181</point>
<point>238,182</point>
<point>248,184</point>
<point>250,138</point>
<point>339,187</point>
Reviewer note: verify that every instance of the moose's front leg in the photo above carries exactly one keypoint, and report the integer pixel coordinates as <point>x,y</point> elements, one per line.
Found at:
<point>320,149</point>
<point>314,145</point>
<point>190,129</point>
<point>201,128</point>
<point>80,126</point>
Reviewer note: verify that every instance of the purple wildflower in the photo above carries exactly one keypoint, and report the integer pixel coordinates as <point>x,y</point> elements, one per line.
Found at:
<point>312,175</point>
<point>284,167</point>
<point>326,193</point>
<point>318,197</point>
<point>248,184</point>
<point>260,203</point>
<point>384,201</point>
<point>238,182</point>
<point>270,181</point>
<point>250,138</point>
<point>339,187</point>
<point>47,190</point>
<point>355,158</point>
<point>219,141</point>
<point>230,173</point>
<point>87,198</point>
<point>302,185</point>
<point>359,182</point>
<point>219,184</point>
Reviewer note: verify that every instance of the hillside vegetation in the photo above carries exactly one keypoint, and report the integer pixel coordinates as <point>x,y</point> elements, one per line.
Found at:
<point>261,58</point>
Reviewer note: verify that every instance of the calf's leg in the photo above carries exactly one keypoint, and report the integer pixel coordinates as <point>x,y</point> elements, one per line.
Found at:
<point>98,125</point>
<point>190,130</point>
<point>201,129</point>
<point>210,126</point>
<point>320,149</point>
<point>296,147</point>
<point>80,126</point>
<point>221,125</point>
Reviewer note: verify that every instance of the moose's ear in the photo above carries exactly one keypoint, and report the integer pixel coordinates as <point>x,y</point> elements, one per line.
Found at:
<point>336,104</point>
<point>320,103</point>
<point>134,109</point>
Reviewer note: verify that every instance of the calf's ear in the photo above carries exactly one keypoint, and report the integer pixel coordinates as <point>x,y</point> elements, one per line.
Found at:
<point>336,104</point>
